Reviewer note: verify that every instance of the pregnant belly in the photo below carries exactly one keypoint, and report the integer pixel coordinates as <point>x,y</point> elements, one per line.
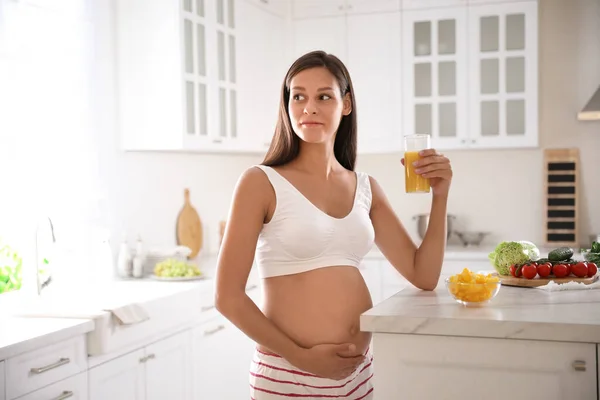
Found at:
<point>319,306</point>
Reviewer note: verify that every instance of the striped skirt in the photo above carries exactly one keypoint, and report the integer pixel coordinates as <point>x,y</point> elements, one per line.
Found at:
<point>272,377</point>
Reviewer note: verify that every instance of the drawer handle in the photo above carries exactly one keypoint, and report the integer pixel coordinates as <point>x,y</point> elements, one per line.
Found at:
<point>579,365</point>
<point>57,364</point>
<point>148,357</point>
<point>213,331</point>
<point>207,308</point>
<point>64,395</point>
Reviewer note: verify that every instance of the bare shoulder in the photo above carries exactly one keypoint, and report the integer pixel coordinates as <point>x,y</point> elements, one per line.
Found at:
<point>377,194</point>
<point>254,189</point>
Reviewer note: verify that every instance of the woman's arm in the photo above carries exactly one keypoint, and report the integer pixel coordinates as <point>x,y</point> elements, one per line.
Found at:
<point>251,201</point>
<point>421,265</point>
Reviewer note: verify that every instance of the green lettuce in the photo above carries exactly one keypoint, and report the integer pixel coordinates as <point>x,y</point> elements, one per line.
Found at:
<point>509,253</point>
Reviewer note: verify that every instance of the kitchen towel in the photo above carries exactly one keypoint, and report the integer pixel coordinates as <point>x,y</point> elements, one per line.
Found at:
<point>129,314</point>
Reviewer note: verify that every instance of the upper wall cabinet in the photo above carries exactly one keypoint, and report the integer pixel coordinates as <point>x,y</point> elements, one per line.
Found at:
<point>177,74</point>
<point>262,51</point>
<point>355,37</point>
<point>471,75</point>
<point>503,64</point>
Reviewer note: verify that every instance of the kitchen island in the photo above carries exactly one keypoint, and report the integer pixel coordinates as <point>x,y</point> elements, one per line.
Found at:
<point>526,344</point>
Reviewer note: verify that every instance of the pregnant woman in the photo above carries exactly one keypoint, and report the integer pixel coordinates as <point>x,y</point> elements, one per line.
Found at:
<point>309,219</point>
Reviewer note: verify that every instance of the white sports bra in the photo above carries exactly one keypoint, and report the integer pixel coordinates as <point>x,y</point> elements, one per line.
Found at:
<point>300,237</point>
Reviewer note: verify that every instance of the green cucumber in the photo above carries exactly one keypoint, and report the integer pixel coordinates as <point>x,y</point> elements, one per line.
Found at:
<point>560,254</point>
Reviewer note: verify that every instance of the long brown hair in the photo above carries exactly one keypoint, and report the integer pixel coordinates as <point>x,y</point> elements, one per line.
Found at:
<point>285,145</point>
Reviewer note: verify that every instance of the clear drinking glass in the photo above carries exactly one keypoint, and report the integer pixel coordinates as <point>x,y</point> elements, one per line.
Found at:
<point>413,144</point>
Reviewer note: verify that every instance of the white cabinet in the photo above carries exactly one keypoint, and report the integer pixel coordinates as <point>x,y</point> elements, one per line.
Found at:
<point>353,38</point>
<point>120,379</point>
<point>176,71</point>
<point>435,58</point>
<point>221,350</point>
<point>377,85</point>
<point>2,384</point>
<point>474,70</point>
<point>261,37</point>
<point>503,65</point>
<point>528,369</point>
<point>161,370</point>
<point>40,367</point>
<point>72,388</point>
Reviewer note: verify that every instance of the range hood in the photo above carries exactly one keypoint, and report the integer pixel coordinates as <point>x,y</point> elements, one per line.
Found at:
<point>591,111</point>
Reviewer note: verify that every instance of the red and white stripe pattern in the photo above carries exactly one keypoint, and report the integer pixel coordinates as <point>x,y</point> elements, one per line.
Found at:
<point>272,377</point>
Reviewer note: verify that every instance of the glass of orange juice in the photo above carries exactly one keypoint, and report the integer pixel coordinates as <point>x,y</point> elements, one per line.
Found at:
<point>413,144</point>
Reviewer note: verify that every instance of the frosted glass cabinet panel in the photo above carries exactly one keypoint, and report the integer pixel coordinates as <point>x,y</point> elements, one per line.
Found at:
<point>503,100</point>
<point>435,68</point>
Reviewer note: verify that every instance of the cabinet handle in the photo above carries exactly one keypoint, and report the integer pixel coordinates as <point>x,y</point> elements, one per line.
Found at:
<point>207,308</point>
<point>57,364</point>
<point>579,365</point>
<point>146,358</point>
<point>213,331</point>
<point>264,1</point>
<point>217,140</point>
<point>251,287</point>
<point>64,395</point>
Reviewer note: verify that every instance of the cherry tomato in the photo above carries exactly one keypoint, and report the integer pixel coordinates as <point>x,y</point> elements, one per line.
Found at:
<point>515,271</point>
<point>560,270</point>
<point>592,269</point>
<point>544,269</point>
<point>529,271</point>
<point>580,269</point>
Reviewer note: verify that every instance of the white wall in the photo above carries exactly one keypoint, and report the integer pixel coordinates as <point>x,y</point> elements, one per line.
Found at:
<point>496,191</point>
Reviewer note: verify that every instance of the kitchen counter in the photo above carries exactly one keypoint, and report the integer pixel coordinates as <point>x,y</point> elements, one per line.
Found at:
<point>515,313</point>
<point>542,343</point>
<point>19,335</point>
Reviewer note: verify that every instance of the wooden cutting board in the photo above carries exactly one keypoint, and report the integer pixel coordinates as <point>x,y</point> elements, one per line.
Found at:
<point>189,227</point>
<point>537,281</point>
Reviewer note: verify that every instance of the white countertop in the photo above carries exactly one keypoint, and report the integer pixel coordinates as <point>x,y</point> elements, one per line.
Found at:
<point>19,335</point>
<point>515,313</point>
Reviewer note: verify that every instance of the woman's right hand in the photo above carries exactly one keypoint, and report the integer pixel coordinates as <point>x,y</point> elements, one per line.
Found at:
<point>333,361</point>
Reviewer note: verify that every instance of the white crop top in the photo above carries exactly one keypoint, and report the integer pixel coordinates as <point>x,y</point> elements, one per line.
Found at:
<point>300,237</point>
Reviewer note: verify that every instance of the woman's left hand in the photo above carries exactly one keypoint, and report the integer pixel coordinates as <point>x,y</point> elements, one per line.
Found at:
<point>436,167</point>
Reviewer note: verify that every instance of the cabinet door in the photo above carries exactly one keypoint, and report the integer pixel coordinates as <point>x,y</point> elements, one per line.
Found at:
<point>535,370</point>
<point>261,37</point>
<point>119,379</point>
<point>435,67</point>
<point>2,384</point>
<point>377,84</point>
<point>73,388</point>
<point>503,73</point>
<point>317,8</point>
<point>327,34</point>
<point>222,356</point>
<point>169,368</point>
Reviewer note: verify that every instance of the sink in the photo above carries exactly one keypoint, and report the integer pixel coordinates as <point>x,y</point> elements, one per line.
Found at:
<point>167,305</point>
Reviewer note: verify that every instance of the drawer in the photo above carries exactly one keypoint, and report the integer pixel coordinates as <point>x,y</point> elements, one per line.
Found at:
<point>2,387</point>
<point>40,367</point>
<point>72,388</point>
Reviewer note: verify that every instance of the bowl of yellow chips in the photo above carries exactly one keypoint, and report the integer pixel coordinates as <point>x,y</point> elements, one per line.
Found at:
<point>471,289</point>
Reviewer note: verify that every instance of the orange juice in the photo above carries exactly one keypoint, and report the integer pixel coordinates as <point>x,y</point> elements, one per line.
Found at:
<point>414,183</point>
